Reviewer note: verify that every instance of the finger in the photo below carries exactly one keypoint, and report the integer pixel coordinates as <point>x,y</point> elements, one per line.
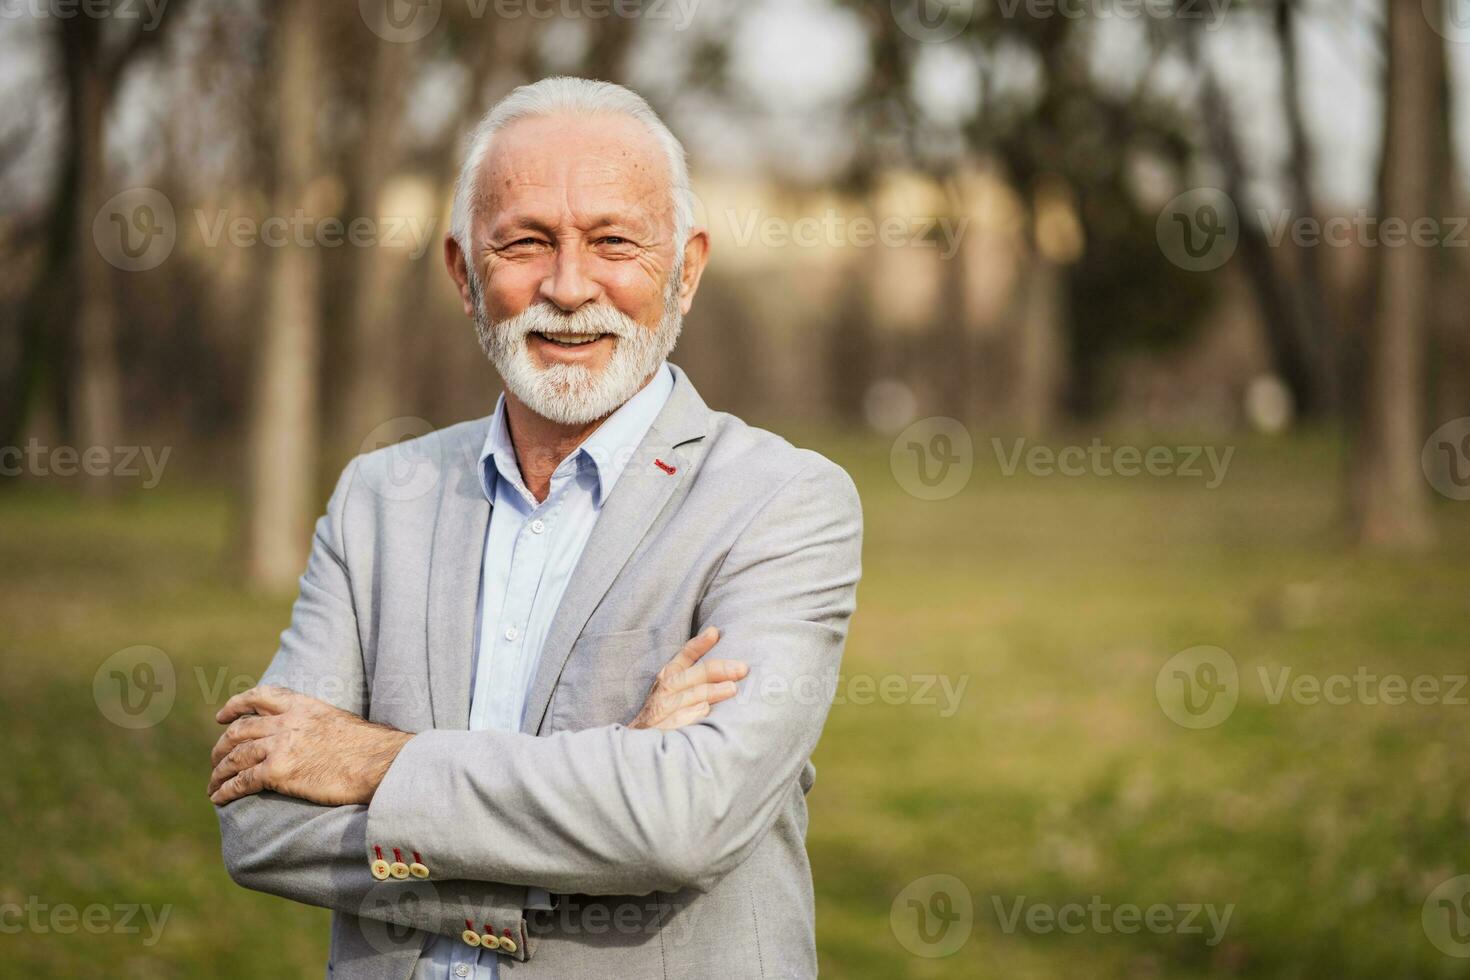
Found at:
<point>709,672</point>
<point>243,783</point>
<point>263,699</point>
<point>697,647</point>
<point>710,694</point>
<point>684,716</point>
<point>242,757</point>
<point>243,729</point>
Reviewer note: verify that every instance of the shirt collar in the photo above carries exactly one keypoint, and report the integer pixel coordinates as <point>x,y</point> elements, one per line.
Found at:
<point>606,451</point>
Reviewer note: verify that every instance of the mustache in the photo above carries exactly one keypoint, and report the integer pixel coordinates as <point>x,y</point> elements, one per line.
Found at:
<point>544,318</point>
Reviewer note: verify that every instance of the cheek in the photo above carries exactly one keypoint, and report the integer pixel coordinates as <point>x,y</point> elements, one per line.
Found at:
<point>630,289</point>
<point>510,288</point>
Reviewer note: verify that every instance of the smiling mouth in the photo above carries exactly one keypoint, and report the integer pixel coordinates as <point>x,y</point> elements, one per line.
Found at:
<point>571,340</point>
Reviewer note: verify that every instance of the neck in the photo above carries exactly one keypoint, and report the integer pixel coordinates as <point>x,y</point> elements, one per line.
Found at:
<point>542,444</point>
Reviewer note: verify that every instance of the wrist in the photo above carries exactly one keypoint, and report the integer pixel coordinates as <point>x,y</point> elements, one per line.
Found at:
<point>389,742</point>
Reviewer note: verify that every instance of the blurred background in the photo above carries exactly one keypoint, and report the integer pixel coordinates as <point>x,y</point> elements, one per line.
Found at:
<point>1140,324</point>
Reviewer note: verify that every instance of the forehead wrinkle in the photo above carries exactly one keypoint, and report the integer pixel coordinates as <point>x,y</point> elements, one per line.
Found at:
<point>611,153</point>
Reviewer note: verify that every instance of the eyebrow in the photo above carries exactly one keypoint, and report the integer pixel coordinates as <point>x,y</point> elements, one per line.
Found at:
<point>508,225</point>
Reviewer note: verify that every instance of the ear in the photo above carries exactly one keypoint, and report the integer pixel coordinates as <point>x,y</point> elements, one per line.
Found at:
<point>454,260</point>
<point>696,256</point>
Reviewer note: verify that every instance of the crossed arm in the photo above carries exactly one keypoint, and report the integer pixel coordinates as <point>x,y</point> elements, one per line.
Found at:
<point>605,811</point>
<point>297,745</point>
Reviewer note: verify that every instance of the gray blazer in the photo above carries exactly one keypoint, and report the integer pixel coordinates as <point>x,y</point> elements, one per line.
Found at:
<point>670,854</point>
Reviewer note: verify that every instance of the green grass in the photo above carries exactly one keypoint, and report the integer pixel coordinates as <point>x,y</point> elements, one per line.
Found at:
<point>1057,777</point>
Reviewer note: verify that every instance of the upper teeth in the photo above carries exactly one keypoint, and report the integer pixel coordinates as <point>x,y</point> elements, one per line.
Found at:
<point>571,338</point>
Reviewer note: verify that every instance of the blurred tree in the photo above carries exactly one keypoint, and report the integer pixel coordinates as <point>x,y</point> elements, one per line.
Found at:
<point>1321,337</point>
<point>284,425</point>
<point>95,51</point>
<point>1388,492</point>
<point>1282,298</point>
<point>373,387</point>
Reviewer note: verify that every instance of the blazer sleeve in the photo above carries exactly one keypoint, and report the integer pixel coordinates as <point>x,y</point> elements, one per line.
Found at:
<point>315,854</point>
<point>612,810</point>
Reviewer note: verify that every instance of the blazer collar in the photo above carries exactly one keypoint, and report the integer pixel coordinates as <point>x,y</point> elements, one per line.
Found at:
<point>638,498</point>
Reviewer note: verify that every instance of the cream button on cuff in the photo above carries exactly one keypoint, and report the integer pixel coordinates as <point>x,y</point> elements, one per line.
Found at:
<point>398,870</point>
<point>418,870</point>
<point>380,869</point>
<point>470,937</point>
<point>489,941</point>
<point>507,945</point>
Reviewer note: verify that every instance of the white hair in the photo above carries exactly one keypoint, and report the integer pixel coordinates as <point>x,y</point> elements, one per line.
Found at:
<point>572,95</point>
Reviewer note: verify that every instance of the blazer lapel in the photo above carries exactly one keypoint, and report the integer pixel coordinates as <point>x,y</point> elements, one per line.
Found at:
<point>639,496</point>
<point>454,589</point>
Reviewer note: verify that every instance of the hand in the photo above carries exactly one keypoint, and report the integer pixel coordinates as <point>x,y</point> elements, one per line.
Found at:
<point>297,745</point>
<point>687,686</point>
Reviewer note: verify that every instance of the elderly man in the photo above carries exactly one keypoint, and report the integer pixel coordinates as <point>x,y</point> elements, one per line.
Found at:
<point>491,740</point>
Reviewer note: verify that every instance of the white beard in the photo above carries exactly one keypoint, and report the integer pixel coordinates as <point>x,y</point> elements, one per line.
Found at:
<point>571,394</point>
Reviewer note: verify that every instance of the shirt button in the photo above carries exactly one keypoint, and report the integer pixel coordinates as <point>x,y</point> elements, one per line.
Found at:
<point>537,526</point>
<point>462,970</point>
<point>511,633</point>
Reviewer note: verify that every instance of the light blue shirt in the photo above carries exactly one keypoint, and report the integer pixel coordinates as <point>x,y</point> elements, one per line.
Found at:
<point>531,550</point>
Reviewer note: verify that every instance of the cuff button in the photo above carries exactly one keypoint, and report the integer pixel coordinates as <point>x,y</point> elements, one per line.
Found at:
<point>398,870</point>
<point>418,870</point>
<point>470,937</point>
<point>508,945</point>
<point>489,941</point>
<point>380,869</point>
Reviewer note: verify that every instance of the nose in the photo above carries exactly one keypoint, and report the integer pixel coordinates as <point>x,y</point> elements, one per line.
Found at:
<point>568,286</point>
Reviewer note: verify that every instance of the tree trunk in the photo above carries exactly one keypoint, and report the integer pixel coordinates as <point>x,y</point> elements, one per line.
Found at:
<point>98,394</point>
<point>1321,334</point>
<point>1040,364</point>
<point>373,383</point>
<point>1389,494</point>
<point>284,427</point>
